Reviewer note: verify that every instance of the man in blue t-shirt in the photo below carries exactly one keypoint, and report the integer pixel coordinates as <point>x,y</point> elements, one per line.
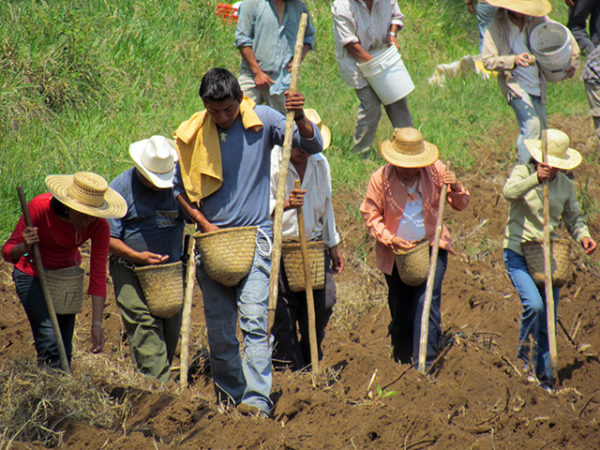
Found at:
<point>150,233</point>
<point>222,180</point>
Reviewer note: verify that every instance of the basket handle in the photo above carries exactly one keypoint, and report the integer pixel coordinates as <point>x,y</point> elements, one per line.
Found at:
<point>260,251</point>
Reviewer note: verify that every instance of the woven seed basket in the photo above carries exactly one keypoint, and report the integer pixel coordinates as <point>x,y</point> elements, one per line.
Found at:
<point>162,285</point>
<point>66,289</point>
<point>227,254</point>
<point>413,265</point>
<point>294,265</point>
<point>533,251</point>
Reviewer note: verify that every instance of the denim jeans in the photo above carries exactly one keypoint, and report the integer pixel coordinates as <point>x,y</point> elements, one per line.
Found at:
<point>533,317</point>
<point>248,379</point>
<point>531,118</point>
<point>29,290</point>
<point>152,341</point>
<point>485,14</point>
<point>406,308</point>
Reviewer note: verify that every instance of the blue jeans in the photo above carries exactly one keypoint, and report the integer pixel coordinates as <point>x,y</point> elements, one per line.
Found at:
<point>533,317</point>
<point>406,308</point>
<point>29,290</point>
<point>485,14</point>
<point>531,118</point>
<point>248,379</point>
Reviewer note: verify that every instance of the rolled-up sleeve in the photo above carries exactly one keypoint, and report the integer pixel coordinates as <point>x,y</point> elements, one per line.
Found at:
<point>244,32</point>
<point>397,16</point>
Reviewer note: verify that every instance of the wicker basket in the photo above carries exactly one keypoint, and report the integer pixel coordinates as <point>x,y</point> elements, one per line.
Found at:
<point>162,285</point>
<point>227,254</point>
<point>533,251</point>
<point>413,265</point>
<point>66,289</point>
<point>294,265</point>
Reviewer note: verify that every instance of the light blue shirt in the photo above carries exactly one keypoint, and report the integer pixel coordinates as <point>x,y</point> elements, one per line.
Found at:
<point>272,43</point>
<point>243,198</point>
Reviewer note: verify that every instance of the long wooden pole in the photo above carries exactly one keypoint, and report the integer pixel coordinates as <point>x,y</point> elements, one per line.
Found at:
<point>431,279</point>
<point>42,277</point>
<point>187,311</point>
<point>548,269</point>
<point>283,171</point>
<point>310,299</point>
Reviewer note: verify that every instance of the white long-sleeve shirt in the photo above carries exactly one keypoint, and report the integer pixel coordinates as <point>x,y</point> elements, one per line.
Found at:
<point>319,220</point>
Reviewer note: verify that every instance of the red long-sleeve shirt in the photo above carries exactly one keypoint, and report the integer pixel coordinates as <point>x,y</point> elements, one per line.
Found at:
<point>59,244</point>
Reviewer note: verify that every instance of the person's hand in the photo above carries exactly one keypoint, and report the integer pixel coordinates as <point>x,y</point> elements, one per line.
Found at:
<point>391,40</point>
<point>570,3</point>
<point>546,172</point>
<point>294,101</point>
<point>30,237</point>
<point>210,227</point>
<point>400,244</point>
<point>295,200</point>
<point>262,80</point>
<point>524,60</point>
<point>589,245</point>
<point>97,337</point>
<point>571,71</point>
<point>449,178</point>
<point>148,258</point>
<point>337,259</point>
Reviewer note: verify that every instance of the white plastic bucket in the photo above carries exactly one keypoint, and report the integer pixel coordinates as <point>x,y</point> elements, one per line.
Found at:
<point>551,44</point>
<point>387,75</point>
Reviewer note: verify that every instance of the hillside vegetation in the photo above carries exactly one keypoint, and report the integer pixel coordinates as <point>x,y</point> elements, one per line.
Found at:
<point>81,80</point>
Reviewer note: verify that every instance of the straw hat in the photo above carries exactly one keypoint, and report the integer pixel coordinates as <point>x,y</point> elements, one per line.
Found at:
<point>559,153</point>
<point>535,8</point>
<point>314,117</point>
<point>408,149</point>
<point>88,193</point>
<point>155,159</point>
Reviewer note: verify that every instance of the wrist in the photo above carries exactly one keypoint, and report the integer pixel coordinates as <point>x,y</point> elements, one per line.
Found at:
<point>392,33</point>
<point>300,116</point>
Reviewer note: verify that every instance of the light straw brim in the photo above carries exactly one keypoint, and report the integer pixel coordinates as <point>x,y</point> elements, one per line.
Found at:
<point>428,157</point>
<point>528,7</point>
<point>572,159</point>
<point>114,206</point>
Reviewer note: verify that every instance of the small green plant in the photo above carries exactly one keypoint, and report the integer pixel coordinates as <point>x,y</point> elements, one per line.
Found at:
<point>384,393</point>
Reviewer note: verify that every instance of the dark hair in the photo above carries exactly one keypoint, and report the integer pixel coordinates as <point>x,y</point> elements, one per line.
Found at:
<point>219,84</point>
<point>60,209</point>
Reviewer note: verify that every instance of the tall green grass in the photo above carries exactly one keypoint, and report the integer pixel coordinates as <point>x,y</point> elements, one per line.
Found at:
<point>81,80</point>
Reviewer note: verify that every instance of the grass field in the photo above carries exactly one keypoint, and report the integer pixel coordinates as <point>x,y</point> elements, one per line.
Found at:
<point>81,80</point>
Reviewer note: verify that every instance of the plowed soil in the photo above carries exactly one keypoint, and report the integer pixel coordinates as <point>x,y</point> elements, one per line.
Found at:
<point>475,397</point>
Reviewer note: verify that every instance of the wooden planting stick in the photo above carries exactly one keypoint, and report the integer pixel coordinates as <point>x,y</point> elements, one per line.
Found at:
<point>310,300</point>
<point>283,171</point>
<point>548,270</point>
<point>431,278</point>
<point>64,363</point>
<point>187,311</point>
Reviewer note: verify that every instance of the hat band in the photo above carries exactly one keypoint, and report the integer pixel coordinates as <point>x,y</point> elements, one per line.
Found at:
<point>86,196</point>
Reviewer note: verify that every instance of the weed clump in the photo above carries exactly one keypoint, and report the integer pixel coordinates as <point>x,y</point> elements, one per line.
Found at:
<point>36,401</point>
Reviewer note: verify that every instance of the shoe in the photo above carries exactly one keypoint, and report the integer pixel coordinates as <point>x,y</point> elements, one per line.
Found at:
<point>252,411</point>
<point>547,388</point>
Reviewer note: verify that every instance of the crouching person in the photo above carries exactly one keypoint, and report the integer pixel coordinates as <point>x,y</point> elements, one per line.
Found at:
<point>314,198</point>
<point>400,210</point>
<point>150,233</point>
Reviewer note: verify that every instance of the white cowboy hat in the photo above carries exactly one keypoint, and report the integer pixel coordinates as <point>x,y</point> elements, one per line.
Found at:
<point>315,118</point>
<point>560,155</point>
<point>407,148</point>
<point>535,8</point>
<point>87,192</point>
<point>155,159</point>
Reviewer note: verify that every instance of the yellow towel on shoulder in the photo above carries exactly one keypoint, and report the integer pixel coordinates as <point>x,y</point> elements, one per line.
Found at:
<point>199,149</point>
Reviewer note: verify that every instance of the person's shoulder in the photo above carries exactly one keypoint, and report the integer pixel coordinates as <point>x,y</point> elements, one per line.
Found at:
<point>122,180</point>
<point>267,115</point>
<point>40,201</point>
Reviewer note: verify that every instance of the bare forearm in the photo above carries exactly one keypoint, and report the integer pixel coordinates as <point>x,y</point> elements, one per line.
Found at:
<point>193,212</point>
<point>250,59</point>
<point>97,308</point>
<point>358,52</point>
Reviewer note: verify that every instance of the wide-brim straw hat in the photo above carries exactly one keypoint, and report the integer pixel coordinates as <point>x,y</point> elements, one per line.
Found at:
<point>535,8</point>
<point>88,193</point>
<point>560,155</point>
<point>155,159</point>
<point>407,148</point>
<point>315,118</point>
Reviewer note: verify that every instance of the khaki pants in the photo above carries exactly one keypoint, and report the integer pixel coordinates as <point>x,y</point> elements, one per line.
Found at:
<point>261,96</point>
<point>152,340</point>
